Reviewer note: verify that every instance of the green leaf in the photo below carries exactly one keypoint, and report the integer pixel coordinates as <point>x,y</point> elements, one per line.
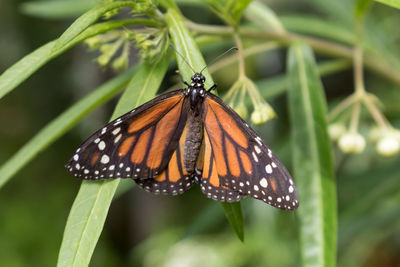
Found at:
<point>89,211</point>
<point>186,46</point>
<point>362,7</point>
<point>312,160</point>
<point>229,10</point>
<point>239,8</point>
<point>61,124</point>
<point>21,70</point>
<point>392,3</point>
<point>87,19</point>
<point>233,211</point>
<point>57,9</point>
<point>25,67</point>
<point>277,85</point>
<point>260,14</point>
<point>318,27</point>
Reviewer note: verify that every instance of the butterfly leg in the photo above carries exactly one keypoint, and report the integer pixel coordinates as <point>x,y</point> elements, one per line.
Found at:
<point>212,87</point>
<point>182,80</point>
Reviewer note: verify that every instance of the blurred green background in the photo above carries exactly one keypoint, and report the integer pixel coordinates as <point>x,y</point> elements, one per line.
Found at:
<point>188,230</point>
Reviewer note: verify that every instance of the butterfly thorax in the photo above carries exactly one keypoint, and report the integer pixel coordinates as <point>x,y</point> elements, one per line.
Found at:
<point>196,93</point>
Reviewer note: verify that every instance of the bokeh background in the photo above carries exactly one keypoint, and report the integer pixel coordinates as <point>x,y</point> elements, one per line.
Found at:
<point>188,230</point>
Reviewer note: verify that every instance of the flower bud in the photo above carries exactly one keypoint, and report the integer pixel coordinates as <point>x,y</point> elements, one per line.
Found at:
<point>352,143</point>
<point>262,114</point>
<point>336,130</point>
<point>388,145</point>
<point>241,110</point>
<point>103,60</point>
<point>120,63</point>
<point>106,48</point>
<point>93,42</point>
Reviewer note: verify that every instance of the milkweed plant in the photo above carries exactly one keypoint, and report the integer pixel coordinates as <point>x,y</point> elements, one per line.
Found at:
<point>327,134</point>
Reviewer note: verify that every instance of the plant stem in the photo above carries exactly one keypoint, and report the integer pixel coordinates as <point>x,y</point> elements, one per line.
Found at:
<point>238,41</point>
<point>256,49</point>
<point>358,62</point>
<point>325,47</point>
<point>376,114</point>
<point>355,117</point>
<point>347,102</point>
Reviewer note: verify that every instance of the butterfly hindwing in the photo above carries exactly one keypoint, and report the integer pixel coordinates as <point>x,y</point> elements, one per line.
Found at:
<point>244,163</point>
<point>208,178</point>
<point>174,179</point>
<point>139,144</point>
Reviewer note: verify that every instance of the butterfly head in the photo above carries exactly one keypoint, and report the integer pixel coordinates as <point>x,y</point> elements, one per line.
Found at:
<point>196,92</point>
<point>198,81</point>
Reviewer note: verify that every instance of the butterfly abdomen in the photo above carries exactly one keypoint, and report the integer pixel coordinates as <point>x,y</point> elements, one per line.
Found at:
<point>193,142</point>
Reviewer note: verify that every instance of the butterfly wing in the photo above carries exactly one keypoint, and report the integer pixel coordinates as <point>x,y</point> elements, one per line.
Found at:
<point>208,178</point>
<point>174,180</point>
<point>139,144</point>
<point>240,161</point>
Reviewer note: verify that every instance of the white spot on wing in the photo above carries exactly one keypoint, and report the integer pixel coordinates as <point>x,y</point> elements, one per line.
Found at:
<point>268,169</point>
<point>264,182</point>
<point>115,131</point>
<point>291,189</point>
<point>117,138</point>
<point>105,159</point>
<point>102,145</point>
<point>258,139</point>
<point>254,156</point>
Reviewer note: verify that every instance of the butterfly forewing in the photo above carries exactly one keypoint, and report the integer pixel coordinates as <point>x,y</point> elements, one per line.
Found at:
<point>139,144</point>
<point>243,162</point>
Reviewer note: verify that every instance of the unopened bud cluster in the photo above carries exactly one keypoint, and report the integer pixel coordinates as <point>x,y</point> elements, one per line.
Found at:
<point>262,110</point>
<point>387,142</point>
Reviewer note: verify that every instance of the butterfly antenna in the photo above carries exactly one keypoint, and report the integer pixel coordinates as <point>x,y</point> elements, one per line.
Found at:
<point>182,57</point>
<point>218,57</point>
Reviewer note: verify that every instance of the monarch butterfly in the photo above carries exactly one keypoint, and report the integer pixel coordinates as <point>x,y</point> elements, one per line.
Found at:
<point>184,137</point>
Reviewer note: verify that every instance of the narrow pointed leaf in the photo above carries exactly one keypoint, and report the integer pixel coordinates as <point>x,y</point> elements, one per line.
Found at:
<point>362,7</point>
<point>61,124</point>
<point>260,14</point>
<point>90,208</point>
<point>186,45</point>
<point>86,20</point>
<point>392,3</point>
<point>29,64</point>
<point>56,9</point>
<point>312,160</point>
